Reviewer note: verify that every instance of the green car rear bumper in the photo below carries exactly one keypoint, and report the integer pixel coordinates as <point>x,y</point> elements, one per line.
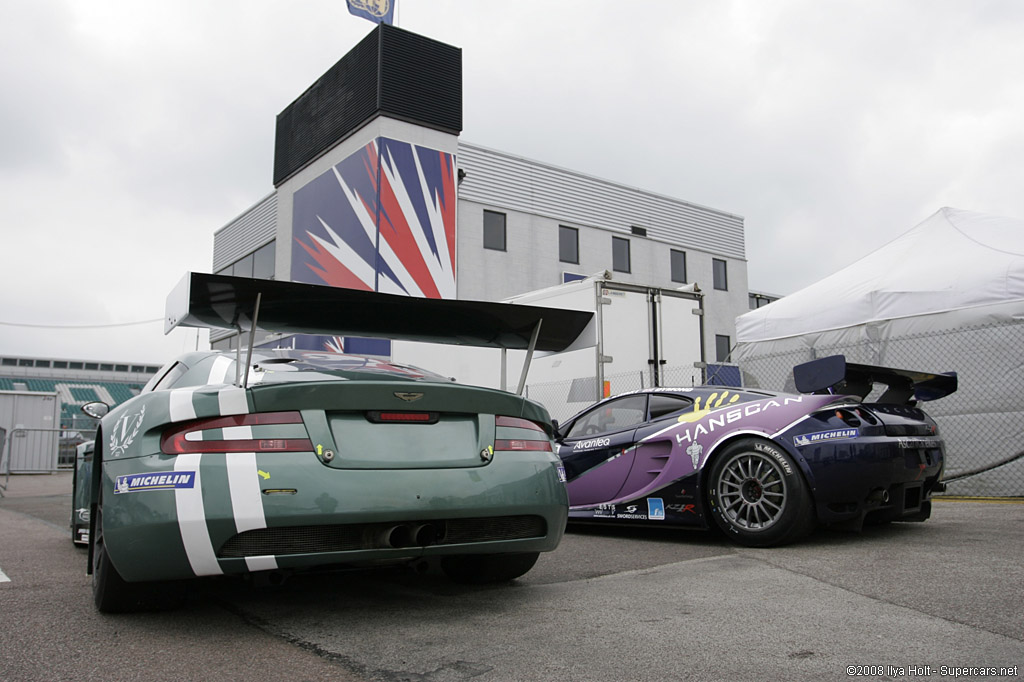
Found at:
<point>172,517</point>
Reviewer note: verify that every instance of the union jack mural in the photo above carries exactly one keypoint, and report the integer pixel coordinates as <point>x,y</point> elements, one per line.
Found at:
<point>381,220</point>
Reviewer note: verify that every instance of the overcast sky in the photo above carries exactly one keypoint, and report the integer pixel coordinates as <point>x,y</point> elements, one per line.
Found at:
<point>131,131</point>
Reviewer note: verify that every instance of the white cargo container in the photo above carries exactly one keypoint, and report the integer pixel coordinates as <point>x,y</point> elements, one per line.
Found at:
<point>641,336</point>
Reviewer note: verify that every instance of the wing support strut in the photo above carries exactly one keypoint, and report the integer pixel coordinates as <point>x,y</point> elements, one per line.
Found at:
<point>529,357</point>
<point>252,339</point>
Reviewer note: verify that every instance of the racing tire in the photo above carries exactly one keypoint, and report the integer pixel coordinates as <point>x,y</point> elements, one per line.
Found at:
<point>757,495</point>
<point>111,593</point>
<point>481,569</point>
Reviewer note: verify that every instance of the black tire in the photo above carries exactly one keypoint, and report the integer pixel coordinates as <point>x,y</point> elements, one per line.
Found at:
<point>480,569</point>
<point>757,495</point>
<point>113,594</point>
<point>110,592</point>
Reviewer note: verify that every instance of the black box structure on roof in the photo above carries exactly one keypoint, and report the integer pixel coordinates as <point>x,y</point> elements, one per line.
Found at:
<point>391,72</point>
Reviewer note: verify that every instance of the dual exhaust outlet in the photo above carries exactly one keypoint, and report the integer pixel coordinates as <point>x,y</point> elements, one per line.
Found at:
<point>412,535</point>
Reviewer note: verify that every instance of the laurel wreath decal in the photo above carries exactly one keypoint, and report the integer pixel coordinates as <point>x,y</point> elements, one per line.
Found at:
<point>122,438</point>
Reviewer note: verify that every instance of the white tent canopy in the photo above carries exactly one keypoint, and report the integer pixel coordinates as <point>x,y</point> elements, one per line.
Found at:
<point>953,261</point>
<point>948,295</point>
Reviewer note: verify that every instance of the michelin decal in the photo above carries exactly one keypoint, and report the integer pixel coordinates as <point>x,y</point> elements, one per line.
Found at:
<point>164,480</point>
<point>822,436</point>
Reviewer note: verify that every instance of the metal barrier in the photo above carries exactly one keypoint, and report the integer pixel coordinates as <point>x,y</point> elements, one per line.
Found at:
<point>39,451</point>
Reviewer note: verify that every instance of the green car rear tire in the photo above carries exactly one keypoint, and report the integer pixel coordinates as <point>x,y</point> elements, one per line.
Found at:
<point>113,594</point>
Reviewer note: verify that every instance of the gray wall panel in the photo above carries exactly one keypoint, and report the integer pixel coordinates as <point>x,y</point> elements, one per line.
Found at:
<point>519,184</point>
<point>246,233</point>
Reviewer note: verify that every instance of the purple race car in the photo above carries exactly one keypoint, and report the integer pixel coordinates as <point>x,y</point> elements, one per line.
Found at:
<point>765,467</point>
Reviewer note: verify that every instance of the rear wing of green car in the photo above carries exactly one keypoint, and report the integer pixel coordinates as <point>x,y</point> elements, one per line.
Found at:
<point>244,304</point>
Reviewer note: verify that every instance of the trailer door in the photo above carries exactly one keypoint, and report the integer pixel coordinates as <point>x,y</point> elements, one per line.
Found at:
<point>678,333</point>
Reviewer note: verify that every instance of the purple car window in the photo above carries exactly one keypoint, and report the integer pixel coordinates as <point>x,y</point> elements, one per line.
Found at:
<point>614,415</point>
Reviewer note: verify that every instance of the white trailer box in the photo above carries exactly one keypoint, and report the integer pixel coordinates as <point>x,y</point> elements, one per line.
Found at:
<point>32,420</point>
<point>642,336</point>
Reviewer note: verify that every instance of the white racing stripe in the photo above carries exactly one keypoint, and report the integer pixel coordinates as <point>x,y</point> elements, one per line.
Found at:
<point>195,535</point>
<point>246,498</point>
<point>232,401</point>
<point>181,407</point>
<point>219,370</point>
<point>261,563</point>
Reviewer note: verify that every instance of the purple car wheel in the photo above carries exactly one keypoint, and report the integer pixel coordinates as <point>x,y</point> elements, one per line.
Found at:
<point>758,496</point>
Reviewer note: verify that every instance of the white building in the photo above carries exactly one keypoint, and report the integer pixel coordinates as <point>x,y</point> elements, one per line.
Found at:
<point>386,197</point>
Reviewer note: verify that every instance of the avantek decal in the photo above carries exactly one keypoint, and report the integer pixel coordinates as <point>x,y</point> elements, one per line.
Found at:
<point>164,480</point>
<point>820,436</point>
<point>592,443</point>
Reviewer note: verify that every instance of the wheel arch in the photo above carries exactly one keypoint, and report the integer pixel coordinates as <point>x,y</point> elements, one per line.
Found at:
<point>720,447</point>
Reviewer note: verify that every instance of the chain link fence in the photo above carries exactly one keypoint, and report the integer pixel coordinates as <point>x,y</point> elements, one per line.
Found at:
<point>982,423</point>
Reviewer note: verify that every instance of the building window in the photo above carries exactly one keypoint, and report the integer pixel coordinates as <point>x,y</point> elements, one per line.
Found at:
<point>242,267</point>
<point>723,348</point>
<point>760,300</point>
<point>494,230</point>
<point>720,274</point>
<point>678,266</point>
<point>259,264</point>
<point>263,261</point>
<point>568,244</point>
<point>620,254</point>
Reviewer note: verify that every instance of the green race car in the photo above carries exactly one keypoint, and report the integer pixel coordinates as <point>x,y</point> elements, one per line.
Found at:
<point>80,501</point>
<point>276,461</point>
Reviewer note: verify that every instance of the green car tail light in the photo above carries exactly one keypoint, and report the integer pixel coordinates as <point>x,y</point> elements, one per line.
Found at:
<point>540,444</point>
<point>230,435</point>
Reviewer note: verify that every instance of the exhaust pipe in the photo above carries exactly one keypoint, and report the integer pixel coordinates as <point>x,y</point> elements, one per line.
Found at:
<point>879,495</point>
<point>398,537</point>
<point>409,535</point>
<point>425,534</point>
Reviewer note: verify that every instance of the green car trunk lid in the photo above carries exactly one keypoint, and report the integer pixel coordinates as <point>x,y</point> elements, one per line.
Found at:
<point>340,417</point>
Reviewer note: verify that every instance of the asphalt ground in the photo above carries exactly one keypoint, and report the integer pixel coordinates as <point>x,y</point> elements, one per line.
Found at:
<point>932,601</point>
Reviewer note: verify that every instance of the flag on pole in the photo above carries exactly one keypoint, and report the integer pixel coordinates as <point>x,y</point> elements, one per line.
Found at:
<point>377,11</point>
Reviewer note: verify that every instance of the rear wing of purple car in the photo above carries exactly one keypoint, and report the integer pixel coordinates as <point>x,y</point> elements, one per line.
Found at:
<point>833,374</point>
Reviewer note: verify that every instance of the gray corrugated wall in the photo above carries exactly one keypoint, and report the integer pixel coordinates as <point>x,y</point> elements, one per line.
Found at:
<point>246,233</point>
<point>509,181</point>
